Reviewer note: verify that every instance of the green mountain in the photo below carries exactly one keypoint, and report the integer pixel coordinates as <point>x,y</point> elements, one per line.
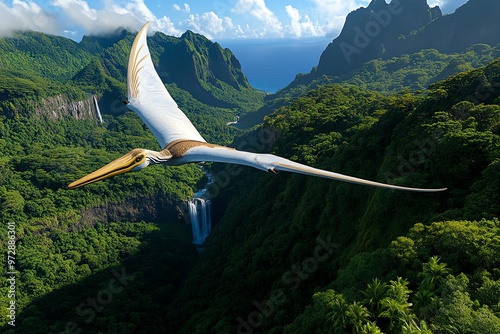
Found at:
<point>288,241</point>
<point>412,72</point>
<point>288,253</point>
<point>384,30</point>
<point>38,66</point>
<point>398,46</point>
<point>213,69</point>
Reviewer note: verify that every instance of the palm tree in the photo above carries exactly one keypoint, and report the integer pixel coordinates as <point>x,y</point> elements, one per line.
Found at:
<point>434,273</point>
<point>399,291</point>
<point>374,293</point>
<point>424,302</point>
<point>370,328</point>
<point>395,306</point>
<point>357,315</point>
<point>412,327</point>
<point>339,314</point>
<point>394,311</point>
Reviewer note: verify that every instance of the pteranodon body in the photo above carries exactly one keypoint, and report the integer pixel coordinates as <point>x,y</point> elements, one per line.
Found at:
<point>180,140</point>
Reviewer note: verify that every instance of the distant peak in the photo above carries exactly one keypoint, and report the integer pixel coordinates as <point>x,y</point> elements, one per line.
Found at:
<point>189,34</point>
<point>377,4</point>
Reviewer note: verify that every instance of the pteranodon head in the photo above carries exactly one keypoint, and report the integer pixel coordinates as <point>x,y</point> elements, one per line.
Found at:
<point>133,161</point>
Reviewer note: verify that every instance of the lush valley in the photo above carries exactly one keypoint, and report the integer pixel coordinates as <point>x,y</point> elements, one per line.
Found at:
<point>441,139</point>
<point>50,136</point>
<point>410,72</point>
<point>403,45</point>
<point>289,253</point>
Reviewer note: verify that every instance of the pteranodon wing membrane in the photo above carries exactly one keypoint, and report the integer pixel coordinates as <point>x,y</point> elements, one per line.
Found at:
<point>149,98</point>
<point>270,162</point>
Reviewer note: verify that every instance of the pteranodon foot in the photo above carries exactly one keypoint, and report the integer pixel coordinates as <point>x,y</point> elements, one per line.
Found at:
<point>272,170</point>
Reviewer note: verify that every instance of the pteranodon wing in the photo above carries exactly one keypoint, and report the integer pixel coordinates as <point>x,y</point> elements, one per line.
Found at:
<point>270,162</point>
<point>149,98</point>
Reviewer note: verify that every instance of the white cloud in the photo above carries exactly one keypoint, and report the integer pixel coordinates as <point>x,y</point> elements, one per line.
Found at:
<point>211,26</point>
<point>294,15</point>
<point>258,9</point>
<point>334,12</point>
<point>208,24</point>
<point>186,8</point>
<point>26,15</point>
<point>131,15</point>
<point>433,3</point>
<point>301,25</point>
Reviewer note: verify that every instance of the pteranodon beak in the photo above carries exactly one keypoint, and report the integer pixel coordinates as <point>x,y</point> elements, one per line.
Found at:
<point>119,166</point>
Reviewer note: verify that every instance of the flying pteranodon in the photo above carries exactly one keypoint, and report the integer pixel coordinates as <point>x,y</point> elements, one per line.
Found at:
<point>181,142</point>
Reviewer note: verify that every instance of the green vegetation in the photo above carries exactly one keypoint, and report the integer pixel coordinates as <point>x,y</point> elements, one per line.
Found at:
<point>435,297</point>
<point>408,73</point>
<point>65,236</point>
<point>114,277</point>
<point>262,266</point>
<point>35,53</point>
<point>68,243</point>
<point>289,253</point>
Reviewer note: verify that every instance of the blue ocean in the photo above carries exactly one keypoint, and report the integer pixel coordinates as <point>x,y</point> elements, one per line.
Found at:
<point>272,64</point>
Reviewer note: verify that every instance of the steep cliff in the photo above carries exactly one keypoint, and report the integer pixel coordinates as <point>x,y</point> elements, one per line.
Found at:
<point>384,30</point>
<point>371,32</point>
<point>151,209</point>
<point>476,22</point>
<point>56,107</point>
<point>201,67</point>
<point>36,66</point>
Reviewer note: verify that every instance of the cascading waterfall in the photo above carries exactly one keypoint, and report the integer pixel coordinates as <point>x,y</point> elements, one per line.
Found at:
<point>200,217</point>
<point>97,109</point>
<point>200,213</point>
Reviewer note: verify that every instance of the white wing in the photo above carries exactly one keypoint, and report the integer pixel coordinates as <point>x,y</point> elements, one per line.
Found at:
<point>149,98</point>
<point>273,163</point>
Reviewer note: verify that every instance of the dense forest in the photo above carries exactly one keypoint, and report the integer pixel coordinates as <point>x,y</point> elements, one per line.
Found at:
<point>410,72</point>
<point>50,136</point>
<point>292,253</point>
<point>288,253</point>
<point>387,261</point>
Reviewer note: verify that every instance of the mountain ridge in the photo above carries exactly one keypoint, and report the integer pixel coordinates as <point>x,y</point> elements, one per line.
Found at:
<point>405,26</point>
<point>367,31</point>
<point>387,49</point>
<point>97,65</point>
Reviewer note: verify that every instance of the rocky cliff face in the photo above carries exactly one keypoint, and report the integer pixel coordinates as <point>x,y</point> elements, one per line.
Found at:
<point>476,22</point>
<point>375,31</point>
<point>150,209</point>
<point>56,107</point>
<point>198,65</point>
<point>406,26</point>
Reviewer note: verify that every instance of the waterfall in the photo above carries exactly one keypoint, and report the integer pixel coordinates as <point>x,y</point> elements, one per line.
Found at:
<point>97,108</point>
<point>200,217</point>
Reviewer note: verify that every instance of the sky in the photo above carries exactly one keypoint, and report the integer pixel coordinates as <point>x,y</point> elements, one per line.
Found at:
<point>216,19</point>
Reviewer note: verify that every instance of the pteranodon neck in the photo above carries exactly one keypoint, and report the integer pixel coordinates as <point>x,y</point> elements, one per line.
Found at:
<point>180,146</point>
